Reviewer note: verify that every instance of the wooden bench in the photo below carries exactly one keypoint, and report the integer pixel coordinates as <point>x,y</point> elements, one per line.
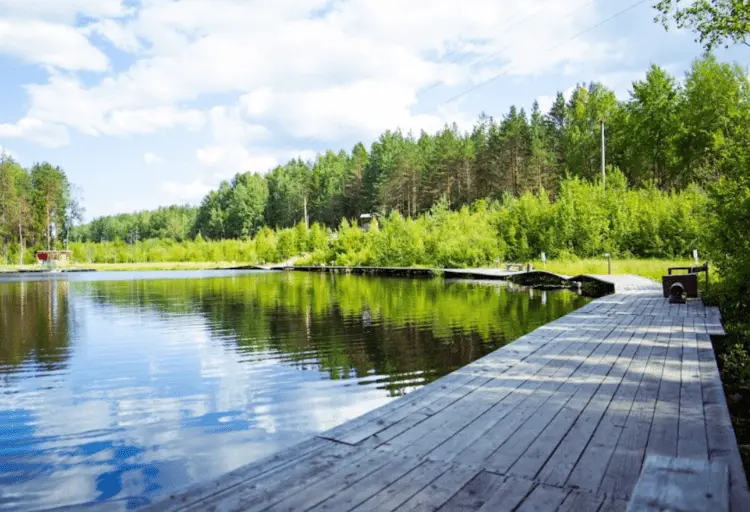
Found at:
<point>518,267</point>
<point>684,485</point>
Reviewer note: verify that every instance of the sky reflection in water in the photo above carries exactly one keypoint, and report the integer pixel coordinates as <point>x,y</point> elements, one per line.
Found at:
<point>124,387</point>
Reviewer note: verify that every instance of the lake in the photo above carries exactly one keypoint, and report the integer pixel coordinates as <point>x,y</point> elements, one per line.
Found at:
<point>123,387</point>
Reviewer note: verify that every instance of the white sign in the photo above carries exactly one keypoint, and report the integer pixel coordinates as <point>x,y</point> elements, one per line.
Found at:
<point>544,258</point>
<point>695,256</point>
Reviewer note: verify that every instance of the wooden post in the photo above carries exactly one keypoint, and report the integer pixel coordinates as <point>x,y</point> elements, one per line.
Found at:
<point>307,224</point>
<point>604,159</point>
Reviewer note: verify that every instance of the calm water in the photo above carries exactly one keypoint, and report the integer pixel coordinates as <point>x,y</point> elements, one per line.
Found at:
<point>124,387</point>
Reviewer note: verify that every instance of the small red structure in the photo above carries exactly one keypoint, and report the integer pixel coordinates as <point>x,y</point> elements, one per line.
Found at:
<point>53,256</point>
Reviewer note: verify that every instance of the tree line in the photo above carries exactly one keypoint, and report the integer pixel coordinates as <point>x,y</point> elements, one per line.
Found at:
<point>668,134</point>
<point>583,221</point>
<point>38,208</point>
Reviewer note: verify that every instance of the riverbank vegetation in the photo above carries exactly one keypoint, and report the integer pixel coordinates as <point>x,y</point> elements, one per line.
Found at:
<point>38,207</point>
<point>583,221</point>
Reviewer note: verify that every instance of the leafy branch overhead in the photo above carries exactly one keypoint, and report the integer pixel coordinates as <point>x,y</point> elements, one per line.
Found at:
<point>716,22</point>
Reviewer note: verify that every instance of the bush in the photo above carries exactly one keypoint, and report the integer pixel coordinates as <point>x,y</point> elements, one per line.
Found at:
<point>583,222</point>
<point>736,367</point>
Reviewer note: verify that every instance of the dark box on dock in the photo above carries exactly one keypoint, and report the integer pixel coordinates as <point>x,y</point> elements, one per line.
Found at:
<point>689,283</point>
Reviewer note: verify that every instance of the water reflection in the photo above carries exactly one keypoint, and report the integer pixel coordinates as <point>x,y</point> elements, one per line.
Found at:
<point>123,389</point>
<point>34,325</point>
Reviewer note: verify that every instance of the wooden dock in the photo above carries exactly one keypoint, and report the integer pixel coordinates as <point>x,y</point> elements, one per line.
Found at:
<point>561,419</point>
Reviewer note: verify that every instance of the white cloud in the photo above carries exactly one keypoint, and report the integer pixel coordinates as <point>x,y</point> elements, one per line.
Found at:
<point>545,103</point>
<point>115,33</point>
<point>229,125</point>
<point>620,82</point>
<point>347,73</point>
<point>46,134</point>
<point>258,102</point>
<point>152,158</point>
<point>360,110</point>
<point>65,101</point>
<point>51,44</point>
<point>225,160</point>
<point>177,192</point>
<point>8,152</point>
<point>63,11</point>
<point>148,120</point>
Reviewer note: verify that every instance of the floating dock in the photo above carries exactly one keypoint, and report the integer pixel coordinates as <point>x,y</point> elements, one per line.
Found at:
<point>561,419</point>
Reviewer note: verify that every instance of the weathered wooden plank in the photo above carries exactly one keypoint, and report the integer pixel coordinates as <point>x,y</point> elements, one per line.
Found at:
<point>564,406</point>
<point>596,370</point>
<point>417,424</point>
<point>662,438</point>
<point>614,505</point>
<point>498,434</point>
<point>440,490</point>
<point>404,488</point>
<point>479,427</point>
<point>302,494</point>
<point>543,499</point>
<point>495,364</point>
<point>476,493</point>
<point>687,485</point>
<point>509,495</point>
<point>722,444</point>
<point>244,474</point>
<point>558,467</point>
<point>261,491</point>
<point>410,402</point>
<point>627,459</point>
<point>346,495</point>
<point>579,501</point>
<point>589,470</point>
<point>691,440</point>
<point>403,423</point>
<point>430,433</point>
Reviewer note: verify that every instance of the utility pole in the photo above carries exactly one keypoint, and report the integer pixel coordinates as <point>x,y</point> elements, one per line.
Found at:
<point>604,159</point>
<point>307,223</point>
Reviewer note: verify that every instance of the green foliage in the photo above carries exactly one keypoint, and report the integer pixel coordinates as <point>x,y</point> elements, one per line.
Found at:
<point>727,235</point>
<point>463,238</point>
<point>583,222</point>
<point>170,222</point>
<point>31,202</point>
<point>735,368</point>
<point>715,21</point>
<point>165,250</point>
<point>246,206</point>
<point>665,137</point>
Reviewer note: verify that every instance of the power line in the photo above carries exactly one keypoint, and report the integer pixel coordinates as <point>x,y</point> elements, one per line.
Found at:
<point>492,55</point>
<point>517,22</point>
<point>554,47</point>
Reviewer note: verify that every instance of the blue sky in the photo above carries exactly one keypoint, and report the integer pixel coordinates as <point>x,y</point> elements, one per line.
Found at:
<point>153,102</point>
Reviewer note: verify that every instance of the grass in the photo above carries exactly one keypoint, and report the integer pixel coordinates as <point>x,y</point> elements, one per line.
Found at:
<point>188,265</point>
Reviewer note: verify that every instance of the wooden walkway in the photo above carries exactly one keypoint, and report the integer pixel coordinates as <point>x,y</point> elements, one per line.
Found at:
<point>561,419</point>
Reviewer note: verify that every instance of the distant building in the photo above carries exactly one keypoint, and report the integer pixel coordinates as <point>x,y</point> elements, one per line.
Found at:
<point>365,220</point>
<point>51,257</point>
